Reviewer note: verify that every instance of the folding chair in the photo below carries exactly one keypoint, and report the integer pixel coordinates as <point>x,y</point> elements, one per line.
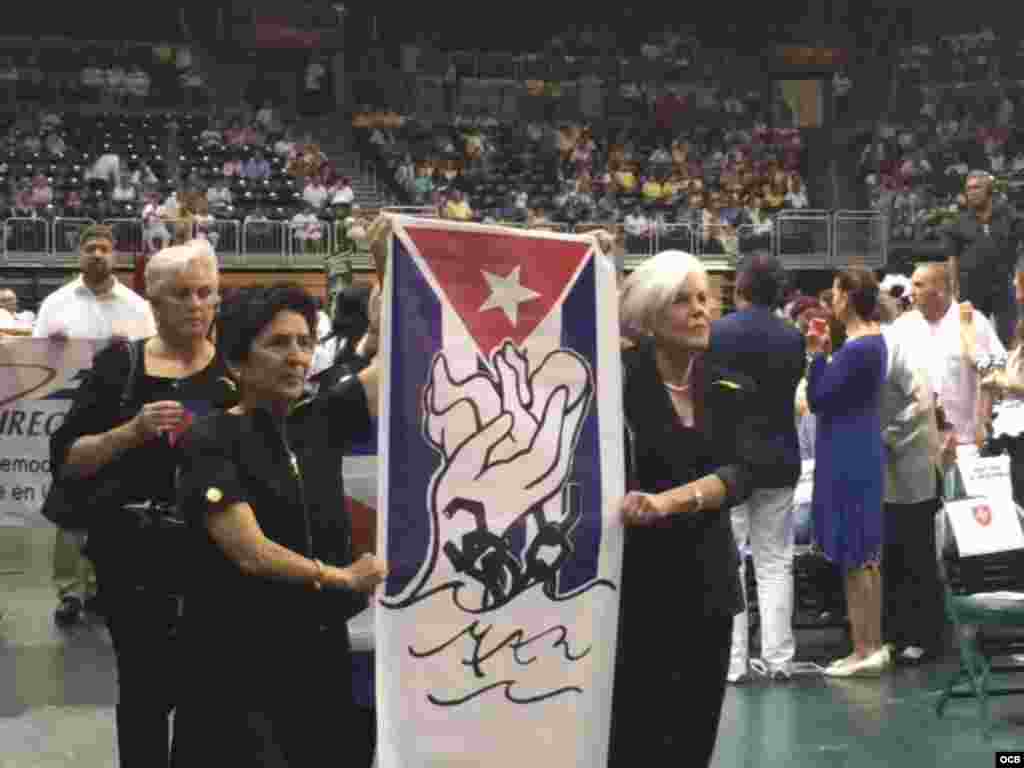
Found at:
<point>981,604</point>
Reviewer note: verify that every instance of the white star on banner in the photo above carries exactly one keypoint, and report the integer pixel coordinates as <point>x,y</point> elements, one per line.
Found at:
<point>507,293</point>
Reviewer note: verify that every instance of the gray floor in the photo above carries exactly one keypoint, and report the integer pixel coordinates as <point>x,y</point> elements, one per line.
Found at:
<point>57,696</point>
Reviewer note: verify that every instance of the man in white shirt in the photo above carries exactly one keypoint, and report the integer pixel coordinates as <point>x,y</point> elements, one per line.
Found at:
<point>95,305</point>
<point>949,338</point>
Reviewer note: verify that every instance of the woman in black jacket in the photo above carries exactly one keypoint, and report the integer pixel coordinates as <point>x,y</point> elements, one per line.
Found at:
<point>273,582</point>
<point>691,460</point>
<point>119,447</point>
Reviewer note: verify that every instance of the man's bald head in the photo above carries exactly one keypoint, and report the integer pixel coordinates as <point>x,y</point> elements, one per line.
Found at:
<point>8,300</point>
<point>931,290</point>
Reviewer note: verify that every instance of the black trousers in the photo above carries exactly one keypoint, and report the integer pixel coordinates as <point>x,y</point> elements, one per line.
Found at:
<point>668,695</point>
<point>143,626</point>
<point>912,607</point>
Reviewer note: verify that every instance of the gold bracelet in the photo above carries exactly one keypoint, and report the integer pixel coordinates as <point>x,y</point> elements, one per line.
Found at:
<point>318,580</point>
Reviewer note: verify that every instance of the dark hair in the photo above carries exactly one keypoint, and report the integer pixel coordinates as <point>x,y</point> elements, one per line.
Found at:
<point>860,285</point>
<point>252,309</point>
<point>760,279</point>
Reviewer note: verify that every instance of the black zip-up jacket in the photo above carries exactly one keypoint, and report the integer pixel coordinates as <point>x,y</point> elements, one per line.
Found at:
<point>291,478</point>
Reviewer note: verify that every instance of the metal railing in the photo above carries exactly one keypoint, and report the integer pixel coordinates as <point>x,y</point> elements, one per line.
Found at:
<point>807,239</point>
<point>677,237</point>
<point>262,240</point>
<point>859,237</point>
<point>803,238</point>
<point>66,232</point>
<point>26,240</point>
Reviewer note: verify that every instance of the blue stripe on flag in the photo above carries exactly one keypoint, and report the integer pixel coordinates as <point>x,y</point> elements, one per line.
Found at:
<point>416,318</point>
<point>579,333</point>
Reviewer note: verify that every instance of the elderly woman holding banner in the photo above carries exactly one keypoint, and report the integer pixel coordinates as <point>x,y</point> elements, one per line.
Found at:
<point>691,461</point>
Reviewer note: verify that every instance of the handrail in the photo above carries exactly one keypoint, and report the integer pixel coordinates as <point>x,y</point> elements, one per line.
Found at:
<point>284,247</point>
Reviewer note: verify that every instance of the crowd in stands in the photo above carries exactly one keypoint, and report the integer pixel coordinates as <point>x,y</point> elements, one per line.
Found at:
<point>132,78</point>
<point>169,171</point>
<point>642,176</point>
<point>954,106</point>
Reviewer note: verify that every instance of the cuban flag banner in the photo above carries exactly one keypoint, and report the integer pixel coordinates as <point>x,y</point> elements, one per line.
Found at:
<point>501,469</point>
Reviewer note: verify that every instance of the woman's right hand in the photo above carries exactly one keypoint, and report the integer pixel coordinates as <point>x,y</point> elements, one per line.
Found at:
<point>363,575</point>
<point>156,418</point>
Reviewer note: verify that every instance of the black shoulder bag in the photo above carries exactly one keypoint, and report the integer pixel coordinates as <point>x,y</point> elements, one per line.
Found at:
<point>69,502</point>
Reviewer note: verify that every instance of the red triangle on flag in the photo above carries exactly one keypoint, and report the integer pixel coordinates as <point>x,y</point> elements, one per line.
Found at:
<point>502,287</point>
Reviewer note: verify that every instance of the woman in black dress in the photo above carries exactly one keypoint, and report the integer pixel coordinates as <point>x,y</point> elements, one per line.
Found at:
<point>121,446</point>
<point>691,460</point>
<point>274,584</point>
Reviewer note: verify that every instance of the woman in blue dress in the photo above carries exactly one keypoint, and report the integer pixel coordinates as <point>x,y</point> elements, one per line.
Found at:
<point>845,395</point>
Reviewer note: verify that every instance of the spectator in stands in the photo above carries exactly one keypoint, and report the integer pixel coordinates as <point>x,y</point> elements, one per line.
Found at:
<point>257,168</point>
<point>637,224</point>
<point>796,195</point>
<point>93,81</point>
<point>55,145</point>
<point>234,136</point>
<point>23,207</point>
<point>719,235</point>
<point>136,85</point>
<point>315,193</point>
<point>343,197</point>
<point>72,204</point>
<point>42,192</point>
<point>845,393</point>
<point>124,191</point>
<point>32,144</point>
<point>307,228</point>
<point>285,146</point>
<point>218,197</point>
<point>267,118</point>
<point>982,248</point>
<point>233,165</point>
<point>457,207</point>
<point>754,342</point>
<point>423,186</point>
<point>192,82</point>
<point>142,175</point>
<point>154,229</point>
<point>107,169</point>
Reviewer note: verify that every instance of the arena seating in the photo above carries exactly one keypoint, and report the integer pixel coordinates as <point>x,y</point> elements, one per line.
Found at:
<point>952,111</point>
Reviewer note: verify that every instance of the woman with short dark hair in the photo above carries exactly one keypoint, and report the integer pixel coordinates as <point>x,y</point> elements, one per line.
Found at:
<point>273,579</point>
<point>845,393</point>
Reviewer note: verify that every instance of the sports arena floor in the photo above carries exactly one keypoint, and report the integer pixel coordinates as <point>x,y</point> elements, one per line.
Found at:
<point>57,696</point>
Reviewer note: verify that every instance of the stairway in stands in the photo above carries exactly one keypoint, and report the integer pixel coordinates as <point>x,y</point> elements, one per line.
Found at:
<point>333,134</point>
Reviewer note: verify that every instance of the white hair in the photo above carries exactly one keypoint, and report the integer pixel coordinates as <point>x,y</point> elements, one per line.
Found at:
<point>168,264</point>
<point>652,287</point>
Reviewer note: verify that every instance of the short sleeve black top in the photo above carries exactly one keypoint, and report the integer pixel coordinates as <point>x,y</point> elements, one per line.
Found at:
<point>145,473</point>
<point>987,256</point>
<point>298,504</point>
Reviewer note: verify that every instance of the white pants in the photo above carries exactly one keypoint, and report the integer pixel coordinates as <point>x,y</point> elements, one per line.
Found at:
<point>767,519</point>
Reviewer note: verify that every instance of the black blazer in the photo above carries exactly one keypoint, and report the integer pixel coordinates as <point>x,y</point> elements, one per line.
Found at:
<point>694,557</point>
<point>757,344</point>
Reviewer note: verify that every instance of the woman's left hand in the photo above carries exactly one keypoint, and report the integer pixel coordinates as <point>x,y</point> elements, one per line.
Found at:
<point>643,508</point>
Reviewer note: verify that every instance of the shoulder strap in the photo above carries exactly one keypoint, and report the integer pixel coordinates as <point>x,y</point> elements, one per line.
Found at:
<point>134,355</point>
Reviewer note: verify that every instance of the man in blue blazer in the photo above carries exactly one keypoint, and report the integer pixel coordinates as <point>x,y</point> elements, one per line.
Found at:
<point>756,342</point>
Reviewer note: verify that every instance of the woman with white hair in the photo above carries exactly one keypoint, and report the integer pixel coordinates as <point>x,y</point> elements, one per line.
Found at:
<point>119,447</point>
<point>691,460</point>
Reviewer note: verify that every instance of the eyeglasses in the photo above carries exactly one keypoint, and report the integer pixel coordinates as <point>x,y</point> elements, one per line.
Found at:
<point>205,296</point>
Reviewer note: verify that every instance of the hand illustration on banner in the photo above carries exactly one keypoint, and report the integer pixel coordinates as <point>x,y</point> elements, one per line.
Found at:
<point>506,438</point>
